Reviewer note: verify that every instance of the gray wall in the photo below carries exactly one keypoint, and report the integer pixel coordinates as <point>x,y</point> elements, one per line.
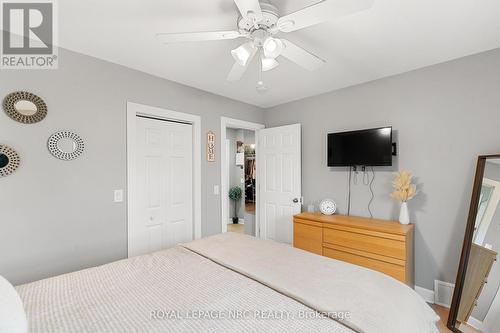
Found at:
<point>444,115</point>
<point>490,290</point>
<point>60,216</point>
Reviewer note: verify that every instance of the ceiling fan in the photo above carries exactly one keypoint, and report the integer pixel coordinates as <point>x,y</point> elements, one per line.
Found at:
<point>260,23</point>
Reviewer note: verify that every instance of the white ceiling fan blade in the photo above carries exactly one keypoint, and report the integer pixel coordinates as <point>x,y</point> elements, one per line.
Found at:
<point>323,11</point>
<point>249,9</point>
<point>300,56</point>
<point>268,64</point>
<point>238,70</point>
<point>197,36</point>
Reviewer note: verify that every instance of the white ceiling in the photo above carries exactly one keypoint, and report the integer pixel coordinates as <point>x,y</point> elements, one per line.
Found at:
<point>394,36</point>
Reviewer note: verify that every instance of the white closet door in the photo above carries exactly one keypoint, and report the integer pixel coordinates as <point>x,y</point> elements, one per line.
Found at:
<point>164,185</point>
<point>280,179</point>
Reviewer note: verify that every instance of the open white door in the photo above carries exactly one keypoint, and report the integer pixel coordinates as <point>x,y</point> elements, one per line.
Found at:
<point>280,178</point>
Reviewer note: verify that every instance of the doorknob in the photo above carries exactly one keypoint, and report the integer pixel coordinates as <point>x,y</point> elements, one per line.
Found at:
<point>295,200</point>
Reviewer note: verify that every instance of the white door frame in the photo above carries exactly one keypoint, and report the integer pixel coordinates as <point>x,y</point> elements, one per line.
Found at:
<point>226,123</point>
<point>492,320</point>
<point>134,110</point>
<point>490,211</point>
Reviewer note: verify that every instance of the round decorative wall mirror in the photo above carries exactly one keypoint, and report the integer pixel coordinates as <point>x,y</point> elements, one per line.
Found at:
<point>4,160</point>
<point>9,161</point>
<point>25,107</point>
<point>66,145</point>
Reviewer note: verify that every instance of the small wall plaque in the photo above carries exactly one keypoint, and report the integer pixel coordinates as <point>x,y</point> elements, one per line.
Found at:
<point>211,146</point>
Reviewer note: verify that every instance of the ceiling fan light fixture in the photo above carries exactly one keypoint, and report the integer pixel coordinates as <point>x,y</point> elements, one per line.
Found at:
<point>244,53</point>
<point>272,47</point>
<point>268,63</point>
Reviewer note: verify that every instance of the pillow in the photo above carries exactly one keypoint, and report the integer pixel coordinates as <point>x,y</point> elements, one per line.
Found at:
<point>12,315</point>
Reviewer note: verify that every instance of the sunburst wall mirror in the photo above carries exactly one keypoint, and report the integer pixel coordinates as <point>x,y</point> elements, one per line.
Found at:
<point>25,107</point>
<point>66,145</point>
<point>9,161</point>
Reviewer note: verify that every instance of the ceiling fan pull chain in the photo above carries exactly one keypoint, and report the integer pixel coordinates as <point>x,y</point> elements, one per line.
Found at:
<point>260,65</point>
<point>261,87</point>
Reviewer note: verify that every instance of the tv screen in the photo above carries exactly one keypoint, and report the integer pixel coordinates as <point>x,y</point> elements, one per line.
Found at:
<point>371,147</point>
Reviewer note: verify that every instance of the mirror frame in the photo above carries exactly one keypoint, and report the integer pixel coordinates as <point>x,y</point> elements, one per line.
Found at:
<point>467,244</point>
<point>64,156</point>
<point>9,107</point>
<point>14,161</point>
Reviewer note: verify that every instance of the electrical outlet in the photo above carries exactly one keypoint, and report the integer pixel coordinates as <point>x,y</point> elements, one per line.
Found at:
<point>216,190</point>
<point>118,196</point>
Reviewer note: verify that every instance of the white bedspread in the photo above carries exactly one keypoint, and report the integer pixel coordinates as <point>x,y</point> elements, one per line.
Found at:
<point>377,303</point>
<point>225,283</point>
<point>169,291</point>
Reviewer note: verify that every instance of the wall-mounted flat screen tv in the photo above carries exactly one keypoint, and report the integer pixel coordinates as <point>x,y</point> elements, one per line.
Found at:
<point>370,147</point>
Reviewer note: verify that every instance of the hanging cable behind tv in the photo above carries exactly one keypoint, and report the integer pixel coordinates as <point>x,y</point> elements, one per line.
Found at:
<point>367,181</point>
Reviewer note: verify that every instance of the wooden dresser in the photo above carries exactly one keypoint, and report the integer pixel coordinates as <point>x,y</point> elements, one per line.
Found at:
<point>481,260</point>
<point>384,246</point>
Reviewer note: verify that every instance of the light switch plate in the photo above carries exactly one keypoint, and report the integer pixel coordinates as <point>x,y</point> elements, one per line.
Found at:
<point>216,190</point>
<point>118,196</point>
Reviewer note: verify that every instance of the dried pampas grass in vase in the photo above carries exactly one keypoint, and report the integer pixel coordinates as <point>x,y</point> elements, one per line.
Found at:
<point>404,191</point>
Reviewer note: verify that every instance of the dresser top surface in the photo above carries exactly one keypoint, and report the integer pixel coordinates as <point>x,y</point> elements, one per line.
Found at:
<point>392,227</point>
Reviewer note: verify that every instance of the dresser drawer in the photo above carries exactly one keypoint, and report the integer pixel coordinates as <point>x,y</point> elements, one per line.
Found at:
<point>378,243</point>
<point>384,246</point>
<point>396,271</point>
<point>308,237</point>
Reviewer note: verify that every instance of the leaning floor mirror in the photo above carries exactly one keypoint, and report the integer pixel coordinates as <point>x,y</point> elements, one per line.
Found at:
<point>476,300</point>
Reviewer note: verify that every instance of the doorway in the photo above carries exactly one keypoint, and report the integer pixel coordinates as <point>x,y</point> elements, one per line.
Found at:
<point>163,178</point>
<point>242,178</point>
<point>239,165</point>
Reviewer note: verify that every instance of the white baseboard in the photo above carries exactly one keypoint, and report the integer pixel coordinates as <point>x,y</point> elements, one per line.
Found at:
<point>426,294</point>
<point>476,323</point>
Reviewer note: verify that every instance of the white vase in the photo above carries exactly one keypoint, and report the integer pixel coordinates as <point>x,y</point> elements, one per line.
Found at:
<point>404,215</point>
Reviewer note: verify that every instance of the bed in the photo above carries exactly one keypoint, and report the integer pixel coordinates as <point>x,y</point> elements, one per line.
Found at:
<point>226,283</point>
